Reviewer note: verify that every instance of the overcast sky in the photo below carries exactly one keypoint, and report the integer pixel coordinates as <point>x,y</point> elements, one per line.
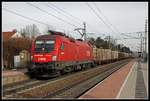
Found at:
<point>125,17</point>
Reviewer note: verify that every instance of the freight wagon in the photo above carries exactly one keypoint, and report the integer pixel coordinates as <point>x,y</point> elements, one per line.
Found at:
<point>114,56</point>
<point>102,56</point>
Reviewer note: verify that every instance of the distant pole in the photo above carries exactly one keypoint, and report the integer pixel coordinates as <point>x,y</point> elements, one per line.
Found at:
<point>84,30</point>
<point>116,48</point>
<point>33,31</point>
<point>141,44</point>
<point>109,41</point>
<point>145,35</point>
<point>145,40</point>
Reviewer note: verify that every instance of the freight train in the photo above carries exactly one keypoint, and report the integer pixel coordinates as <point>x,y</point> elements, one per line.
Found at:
<point>57,54</point>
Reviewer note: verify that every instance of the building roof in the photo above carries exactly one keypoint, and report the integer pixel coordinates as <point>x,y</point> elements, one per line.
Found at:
<point>7,35</point>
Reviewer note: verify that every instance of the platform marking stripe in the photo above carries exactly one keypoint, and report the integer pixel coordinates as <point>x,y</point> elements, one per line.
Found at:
<point>118,95</point>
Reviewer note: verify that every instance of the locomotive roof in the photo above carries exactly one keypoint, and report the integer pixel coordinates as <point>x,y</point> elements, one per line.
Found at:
<point>65,38</point>
<point>46,37</point>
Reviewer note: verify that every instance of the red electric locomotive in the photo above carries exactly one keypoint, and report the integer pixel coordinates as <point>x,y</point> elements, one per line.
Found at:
<point>56,53</point>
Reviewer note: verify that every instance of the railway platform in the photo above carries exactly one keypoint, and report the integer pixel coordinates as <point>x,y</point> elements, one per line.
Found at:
<point>129,82</point>
<point>13,76</point>
<point>14,72</point>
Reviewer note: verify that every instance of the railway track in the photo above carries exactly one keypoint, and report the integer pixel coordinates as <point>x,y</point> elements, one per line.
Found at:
<point>10,89</point>
<point>76,91</point>
<point>21,86</point>
<point>70,86</point>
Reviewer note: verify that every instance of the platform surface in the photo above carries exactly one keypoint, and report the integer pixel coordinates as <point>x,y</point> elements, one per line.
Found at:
<point>136,86</point>
<point>123,84</point>
<point>13,76</point>
<point>13,72</point>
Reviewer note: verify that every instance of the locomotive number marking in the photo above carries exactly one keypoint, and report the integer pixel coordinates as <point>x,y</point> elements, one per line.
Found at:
<point>42,59</point>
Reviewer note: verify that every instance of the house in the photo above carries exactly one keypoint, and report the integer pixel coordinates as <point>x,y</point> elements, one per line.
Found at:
<point>10,34</point>
<point>5,37</point>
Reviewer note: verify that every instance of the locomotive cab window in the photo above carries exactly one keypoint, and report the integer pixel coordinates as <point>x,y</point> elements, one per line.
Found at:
<point>38,45</point>
<point>49,45</point>
<point>62,47</point>
<point>44,46</point>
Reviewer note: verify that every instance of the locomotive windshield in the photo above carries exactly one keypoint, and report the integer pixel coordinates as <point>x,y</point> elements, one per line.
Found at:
<point>44,46</point>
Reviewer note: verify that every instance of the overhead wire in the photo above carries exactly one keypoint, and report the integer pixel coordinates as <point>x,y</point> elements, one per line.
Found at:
<point>108,21</point>
<point>78,19</point>
<point>31,19</point>
<point>51,14</point>
<point>61,13</point>
<point>26,17</point>
<point>105,17</point>
<point>100,19</point>
<point>132,37</point>
<point>65,12</point>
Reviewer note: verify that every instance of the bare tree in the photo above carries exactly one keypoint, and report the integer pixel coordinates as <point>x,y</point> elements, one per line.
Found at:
<point>30,31</point>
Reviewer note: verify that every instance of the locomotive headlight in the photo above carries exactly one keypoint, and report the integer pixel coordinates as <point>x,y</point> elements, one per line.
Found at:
<point>54,58</point>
